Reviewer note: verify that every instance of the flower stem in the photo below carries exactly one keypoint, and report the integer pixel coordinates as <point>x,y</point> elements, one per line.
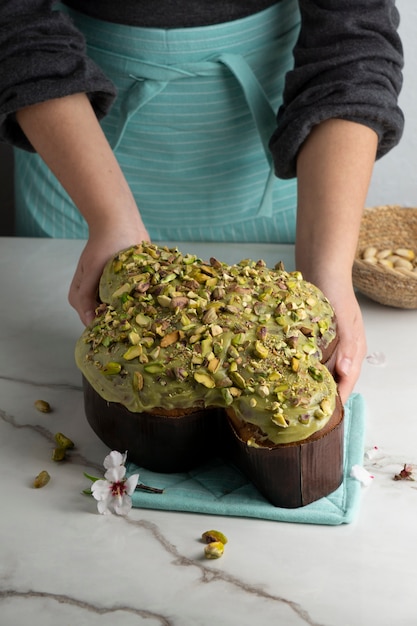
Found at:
<point>142,487</point>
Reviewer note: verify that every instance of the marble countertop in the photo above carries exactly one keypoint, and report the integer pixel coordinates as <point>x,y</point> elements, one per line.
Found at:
<point>63,563</point>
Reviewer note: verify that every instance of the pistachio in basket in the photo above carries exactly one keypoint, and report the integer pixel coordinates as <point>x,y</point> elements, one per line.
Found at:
<point>386,248</point>
<point>401,259</point>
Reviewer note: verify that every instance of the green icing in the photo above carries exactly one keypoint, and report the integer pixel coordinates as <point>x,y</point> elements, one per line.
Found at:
<point>177,332</point>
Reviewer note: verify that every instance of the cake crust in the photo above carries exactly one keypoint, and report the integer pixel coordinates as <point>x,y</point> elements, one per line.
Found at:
<point>180,333</point>
<point>190,359</point>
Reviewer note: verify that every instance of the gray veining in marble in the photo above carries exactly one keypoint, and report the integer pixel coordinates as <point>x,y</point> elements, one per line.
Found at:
<point>62,562</point>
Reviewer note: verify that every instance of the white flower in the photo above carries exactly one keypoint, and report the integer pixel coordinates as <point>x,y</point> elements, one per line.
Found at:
<point>114,459</point>
<point>113,494</point>
<point>362,475</point>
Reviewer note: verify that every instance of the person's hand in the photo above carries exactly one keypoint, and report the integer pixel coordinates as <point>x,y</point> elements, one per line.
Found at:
<point>351,349</point>
<point>100,247</point>
<point>66,133</point>
<point>334,169</point>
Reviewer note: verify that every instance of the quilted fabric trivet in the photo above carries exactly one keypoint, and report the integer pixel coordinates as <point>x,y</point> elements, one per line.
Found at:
<point>218,488</point>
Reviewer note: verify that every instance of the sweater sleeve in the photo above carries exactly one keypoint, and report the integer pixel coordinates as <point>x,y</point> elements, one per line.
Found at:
<point>347,65</point>
<point>43,56</point>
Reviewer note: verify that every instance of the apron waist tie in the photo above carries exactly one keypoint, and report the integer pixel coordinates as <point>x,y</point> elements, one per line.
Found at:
<point>155,77</point>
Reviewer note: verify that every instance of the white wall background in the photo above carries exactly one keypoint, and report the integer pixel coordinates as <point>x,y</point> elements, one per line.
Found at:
<point>395,176</point>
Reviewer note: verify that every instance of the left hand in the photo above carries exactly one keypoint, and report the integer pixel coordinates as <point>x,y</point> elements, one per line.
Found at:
<point>351,350</point>
<point>334,168</point>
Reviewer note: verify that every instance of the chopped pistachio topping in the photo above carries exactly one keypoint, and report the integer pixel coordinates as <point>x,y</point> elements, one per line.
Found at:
<point>175,331</point>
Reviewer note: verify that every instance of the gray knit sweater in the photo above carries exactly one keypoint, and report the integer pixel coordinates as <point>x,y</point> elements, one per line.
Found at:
<point>347,62</point>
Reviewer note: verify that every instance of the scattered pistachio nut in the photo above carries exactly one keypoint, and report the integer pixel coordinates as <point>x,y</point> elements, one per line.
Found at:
<point>43,406</point>
<point>215,542</point>
<point>58,454</point>
<point>209,536</point>
<point>41,479</point>
<point>63,441</point>
<point>214,550</point>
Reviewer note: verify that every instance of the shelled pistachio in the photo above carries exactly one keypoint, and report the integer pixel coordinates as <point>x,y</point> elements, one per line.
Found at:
<point>43,406</point>
<point>403,260</point>
<point>41,479</point>
<point>214,550</point>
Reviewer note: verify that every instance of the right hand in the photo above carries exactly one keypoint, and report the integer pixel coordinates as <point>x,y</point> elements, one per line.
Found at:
<point>100,247</point>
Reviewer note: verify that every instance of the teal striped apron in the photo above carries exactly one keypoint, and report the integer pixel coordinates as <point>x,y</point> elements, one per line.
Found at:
<point>190,127</point>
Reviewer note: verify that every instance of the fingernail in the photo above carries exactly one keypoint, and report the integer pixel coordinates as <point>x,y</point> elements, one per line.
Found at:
<point>345,366</point>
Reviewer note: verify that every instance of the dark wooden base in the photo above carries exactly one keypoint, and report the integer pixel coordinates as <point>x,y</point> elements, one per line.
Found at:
<point>157,442</point>
<point>289,476</point>
<point>294,474</point>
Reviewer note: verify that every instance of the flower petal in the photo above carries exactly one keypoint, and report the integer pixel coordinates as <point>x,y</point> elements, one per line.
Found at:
<point>115,474</point>
<point>131,483</point>
<point>122,506</point>
<point>114,459</point>
<point>361,474</point>
<point>101,489</point>
<point>103,507</point>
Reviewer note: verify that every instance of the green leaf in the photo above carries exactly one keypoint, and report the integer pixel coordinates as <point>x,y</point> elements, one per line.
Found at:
<point>92,478</point>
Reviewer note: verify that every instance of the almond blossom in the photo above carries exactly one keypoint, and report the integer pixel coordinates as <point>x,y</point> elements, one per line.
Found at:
<point>113,493</point>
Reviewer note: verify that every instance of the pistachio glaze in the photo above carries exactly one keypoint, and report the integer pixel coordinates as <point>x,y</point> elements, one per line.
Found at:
<point>177,332</point>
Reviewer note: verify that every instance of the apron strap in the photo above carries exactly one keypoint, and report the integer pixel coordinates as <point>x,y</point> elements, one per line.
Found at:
<point>263,115</point>
<point>154,78</point>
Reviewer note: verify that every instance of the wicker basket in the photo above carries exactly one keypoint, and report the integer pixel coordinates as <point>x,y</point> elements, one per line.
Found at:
<point>387,227</point>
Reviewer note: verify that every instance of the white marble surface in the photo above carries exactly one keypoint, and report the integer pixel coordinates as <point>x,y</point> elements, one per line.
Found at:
<point>63,563</point>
